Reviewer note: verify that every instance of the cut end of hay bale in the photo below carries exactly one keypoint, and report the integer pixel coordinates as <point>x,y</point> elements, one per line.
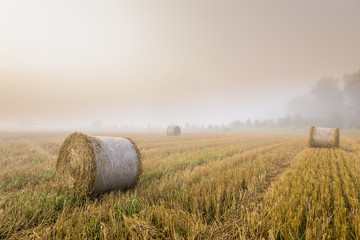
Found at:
<point>337,138</point>
<point>310,136</point>
<point>324,137</point>
<point>76,163</point>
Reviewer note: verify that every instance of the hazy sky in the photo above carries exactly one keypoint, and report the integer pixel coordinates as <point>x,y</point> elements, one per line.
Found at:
<point>68,63</point>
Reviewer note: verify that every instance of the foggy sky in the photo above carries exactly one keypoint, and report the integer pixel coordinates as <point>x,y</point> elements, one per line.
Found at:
<point>69,63</point>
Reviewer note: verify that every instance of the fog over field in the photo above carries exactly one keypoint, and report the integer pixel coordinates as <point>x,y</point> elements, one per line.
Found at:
<point>74,64</point>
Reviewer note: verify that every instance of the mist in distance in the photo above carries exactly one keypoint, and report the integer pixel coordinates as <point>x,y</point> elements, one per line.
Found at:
<point>128,65</point>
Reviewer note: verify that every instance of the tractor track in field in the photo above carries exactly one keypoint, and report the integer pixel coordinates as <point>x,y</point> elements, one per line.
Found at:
<point>251,203</point>
<point>342,187</point>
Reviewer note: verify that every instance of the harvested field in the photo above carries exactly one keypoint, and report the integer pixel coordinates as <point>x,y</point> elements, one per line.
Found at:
<point>218,186</point>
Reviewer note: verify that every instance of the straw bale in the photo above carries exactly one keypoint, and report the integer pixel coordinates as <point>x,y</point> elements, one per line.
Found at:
<point>324,137</point>
<point>173,131</point>
<point>92,165</point>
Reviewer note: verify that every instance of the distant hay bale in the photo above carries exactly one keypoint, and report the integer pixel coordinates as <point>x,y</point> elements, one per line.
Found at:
<point>92,165</point>
<point>173,131</point>
<point>324,137</point>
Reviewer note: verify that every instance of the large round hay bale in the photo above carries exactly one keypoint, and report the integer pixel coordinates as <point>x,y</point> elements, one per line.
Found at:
<point>324,137</point>
<point>173,131</point>
<point>93,165</point>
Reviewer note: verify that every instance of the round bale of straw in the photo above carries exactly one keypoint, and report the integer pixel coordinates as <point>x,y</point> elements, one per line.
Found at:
<point>92,165</point>
<point>173,131</point>
<point>324,137</point>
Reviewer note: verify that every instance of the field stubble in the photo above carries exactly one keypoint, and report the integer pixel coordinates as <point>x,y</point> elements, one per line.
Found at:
<point>219,186</point>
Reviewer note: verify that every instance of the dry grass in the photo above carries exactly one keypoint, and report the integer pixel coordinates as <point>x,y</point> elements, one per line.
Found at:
<point>224,186</point>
